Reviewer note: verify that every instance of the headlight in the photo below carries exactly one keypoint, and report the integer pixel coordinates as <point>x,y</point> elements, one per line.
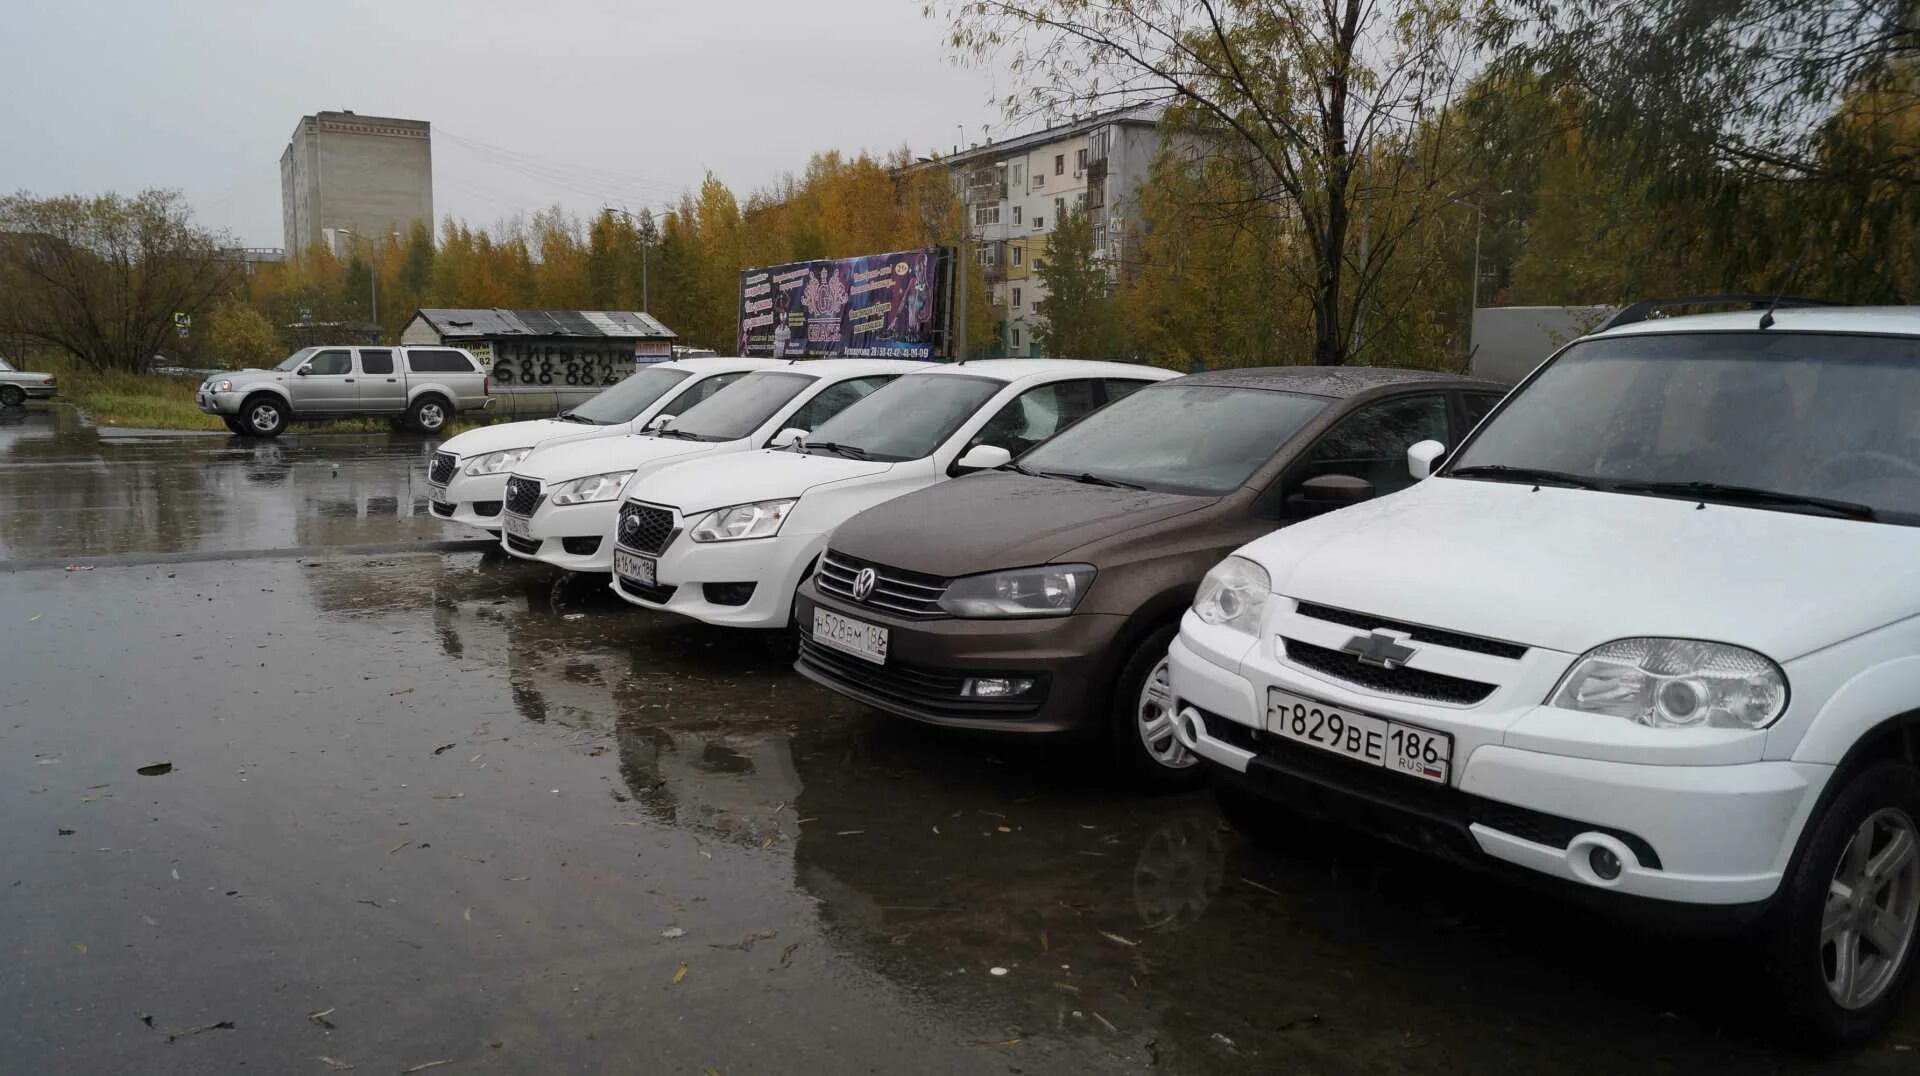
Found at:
<point>1233,595</point>
<point>497,462</point>
<point>594,487</point>
<point>760,519</point>
<point>1675,684</point>
<point>1048,590</point>
<point>222,385</point>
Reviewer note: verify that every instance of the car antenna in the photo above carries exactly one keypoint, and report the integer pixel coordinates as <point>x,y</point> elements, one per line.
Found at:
<point>1766,317</point>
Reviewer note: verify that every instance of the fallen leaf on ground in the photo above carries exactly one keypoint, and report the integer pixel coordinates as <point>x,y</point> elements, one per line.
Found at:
<point>335,1063</point>
<point>155,769</point>
<point>321,1018</point>
<point>1121,940</point>
<point>66,833</point>
<point>444,748</point>
<point>218,1025</point>
<point>397,847</point>
<point>679,974</point>
<point>673,932</point>
<point>80,947</point>
<point>425,1065</point>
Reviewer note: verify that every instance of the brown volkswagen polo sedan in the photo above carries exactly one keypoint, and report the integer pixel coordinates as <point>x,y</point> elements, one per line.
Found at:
<point>1040,597</point>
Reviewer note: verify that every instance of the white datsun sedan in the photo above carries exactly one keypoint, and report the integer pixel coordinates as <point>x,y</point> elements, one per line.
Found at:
<point>467,476</point>
<point>561,500</point>
<point>1651,633</point>
<point>728,540</point>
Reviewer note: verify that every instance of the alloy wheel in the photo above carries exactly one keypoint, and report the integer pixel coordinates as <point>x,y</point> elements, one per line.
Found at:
<point>1873,904</point>
<point>1155,721</point>
<point>265,418</point>
<point>431,416</point>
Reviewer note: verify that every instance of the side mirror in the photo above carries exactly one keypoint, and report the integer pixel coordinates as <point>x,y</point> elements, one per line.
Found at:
<point>304,371</point>
<point>1421,458</point>
<point>657,423</point>
<point>983,458</point>
<point>1324,493</point>
<point>792,435</point>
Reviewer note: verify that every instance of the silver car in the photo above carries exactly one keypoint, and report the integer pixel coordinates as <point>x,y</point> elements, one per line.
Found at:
<point>19,386</point>
<point>421,386</point>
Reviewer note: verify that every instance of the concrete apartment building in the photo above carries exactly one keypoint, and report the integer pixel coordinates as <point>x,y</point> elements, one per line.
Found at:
<point>1016,189</point>
<point>345,176</point>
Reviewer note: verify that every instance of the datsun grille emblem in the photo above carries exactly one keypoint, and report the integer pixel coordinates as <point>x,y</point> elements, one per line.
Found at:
<point>630,525</point>
<point>1382,648</point>
<point>863,582</point>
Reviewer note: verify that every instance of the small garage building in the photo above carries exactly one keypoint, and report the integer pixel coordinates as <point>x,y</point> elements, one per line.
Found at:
<point>545,361</point>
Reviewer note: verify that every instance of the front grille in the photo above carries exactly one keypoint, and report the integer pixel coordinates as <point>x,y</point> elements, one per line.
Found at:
<point>896,590</point>
<point>915,687</point>
<point>1437,636</point>
<point>1396,807</point>
<point>646,527</point>
<point>523,495</point>
<point>657,593</point>
<point>440,508</point>
<point>1409,683</point>
<point>440,468</point>
<point>529,546</point>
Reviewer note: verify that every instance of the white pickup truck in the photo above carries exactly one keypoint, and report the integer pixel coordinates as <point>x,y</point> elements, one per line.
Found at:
<point>422,386</point>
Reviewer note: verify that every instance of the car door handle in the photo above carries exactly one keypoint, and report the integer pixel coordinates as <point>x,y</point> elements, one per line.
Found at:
<point>347,380</point>
<point>391,380</point>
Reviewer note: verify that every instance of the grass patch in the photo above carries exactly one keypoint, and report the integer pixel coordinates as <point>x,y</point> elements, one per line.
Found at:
<point>164,401</point>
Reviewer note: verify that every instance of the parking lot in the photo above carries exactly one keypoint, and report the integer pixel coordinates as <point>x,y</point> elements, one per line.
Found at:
<point>424,804</point>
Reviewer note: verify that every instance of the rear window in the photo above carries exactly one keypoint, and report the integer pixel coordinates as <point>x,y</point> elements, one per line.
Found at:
<point>436,360</point>
<point>376,360</point>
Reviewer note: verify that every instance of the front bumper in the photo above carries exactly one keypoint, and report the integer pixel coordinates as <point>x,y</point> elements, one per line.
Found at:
<point>695,579</point>
<point>470,500</point>
<point>219,403</point>
<point>928,662</point>
<point>1685,834</point>
<point>552,528</point>
<point>39,392</point>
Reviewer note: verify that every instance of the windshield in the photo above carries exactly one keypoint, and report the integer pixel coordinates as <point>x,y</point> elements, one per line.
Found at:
<point>1798,417</point>
<point>292,362</point>
<point>740,408</point>
<point>1199,439</point>
<point>624,402</point>
<point>907,418</point>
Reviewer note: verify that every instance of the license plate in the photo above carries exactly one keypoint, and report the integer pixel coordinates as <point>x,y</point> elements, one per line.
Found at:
<point>1376,741</point>
<point>862,640</point>
<point>518,526</point>
<point>642,570</point>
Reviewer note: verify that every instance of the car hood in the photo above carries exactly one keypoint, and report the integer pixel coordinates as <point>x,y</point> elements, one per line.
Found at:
<point>985,522</point>
<point>251,373</point>
<point>507,435</point>
<point>578,459</point>
<point>740,477</point>
<point>1570,569</point>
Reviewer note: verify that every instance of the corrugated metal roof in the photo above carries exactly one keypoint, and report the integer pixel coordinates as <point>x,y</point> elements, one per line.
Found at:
<point>619,324</point>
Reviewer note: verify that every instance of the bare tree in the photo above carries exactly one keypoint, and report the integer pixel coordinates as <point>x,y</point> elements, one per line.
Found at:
<point>103,277</point>
<point>1335,108</point>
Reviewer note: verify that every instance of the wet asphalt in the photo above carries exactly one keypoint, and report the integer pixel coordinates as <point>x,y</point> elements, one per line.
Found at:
<point>424,804</point>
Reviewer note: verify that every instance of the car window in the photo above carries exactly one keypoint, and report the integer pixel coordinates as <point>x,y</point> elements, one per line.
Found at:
<point>1372,442</point>
<point>431,360</point>
<point>1474,407</point>
<point>330,362</point>
<point>1119,388</point>
<point>1037,414</point>
<point>743,406</point>
<point>699,391</point>
<point>376,360</point>
<point>909,417</point>
<point>625,399</point>
<point>832,400</point>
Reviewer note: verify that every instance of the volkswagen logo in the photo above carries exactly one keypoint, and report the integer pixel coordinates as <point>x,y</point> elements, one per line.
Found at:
<point>863,583</point>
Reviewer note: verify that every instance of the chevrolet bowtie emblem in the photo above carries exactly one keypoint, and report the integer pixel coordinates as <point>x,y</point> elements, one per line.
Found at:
<point>1382,648</point>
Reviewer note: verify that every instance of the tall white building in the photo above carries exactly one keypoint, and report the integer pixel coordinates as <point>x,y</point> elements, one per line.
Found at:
<point>345,176</point>
<point>1016,189</point>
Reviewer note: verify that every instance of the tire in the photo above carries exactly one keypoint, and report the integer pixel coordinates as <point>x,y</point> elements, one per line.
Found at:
<point>12,396</point>
<point>235,426</point>
<point>1140,725</point>
<point>264,416</point>
<point>429,414</point>
<point>1878,810</point>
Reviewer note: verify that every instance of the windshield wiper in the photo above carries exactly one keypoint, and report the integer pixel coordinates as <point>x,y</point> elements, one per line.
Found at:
<point>681,434</point>
<point>1017,469</point>
<point>1087,479</point>
<point>1500,472</point>
<point>852,452</point>
<point>1750,496</point>
<point>574,416</point>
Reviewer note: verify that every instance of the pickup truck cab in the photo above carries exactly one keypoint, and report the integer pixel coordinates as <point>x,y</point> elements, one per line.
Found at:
<point>563,500</point>
<point>19,386</point>
<point>422,386</point>
<point>467,476</point>
<point>728,539</point>
<point>1647,637</point>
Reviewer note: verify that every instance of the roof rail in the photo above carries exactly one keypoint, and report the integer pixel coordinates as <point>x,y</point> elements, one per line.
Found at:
<point>1646,308</point>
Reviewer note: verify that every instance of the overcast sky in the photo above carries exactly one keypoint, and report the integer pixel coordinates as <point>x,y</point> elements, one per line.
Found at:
<point>616,102</point>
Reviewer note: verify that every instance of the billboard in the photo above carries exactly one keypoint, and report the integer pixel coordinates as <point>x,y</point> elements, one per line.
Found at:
<point>874,306</point>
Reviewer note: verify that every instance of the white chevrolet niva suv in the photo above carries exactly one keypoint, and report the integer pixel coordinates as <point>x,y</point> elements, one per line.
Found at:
<point>1650,634</point>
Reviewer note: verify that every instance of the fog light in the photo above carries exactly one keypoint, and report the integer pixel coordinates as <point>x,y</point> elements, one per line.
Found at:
<point>1604,863</point>
<point>995,688</point>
